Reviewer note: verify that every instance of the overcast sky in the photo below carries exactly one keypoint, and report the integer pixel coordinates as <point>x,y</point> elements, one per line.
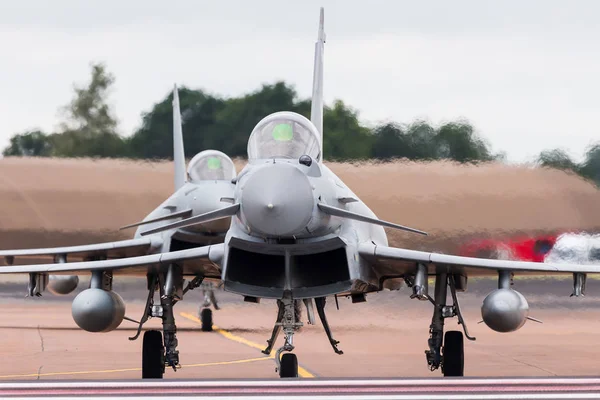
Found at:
<point>525,73</point>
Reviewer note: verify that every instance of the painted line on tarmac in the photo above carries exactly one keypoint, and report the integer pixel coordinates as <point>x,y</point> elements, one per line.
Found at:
<point>228,335</point>
<point>106,371</point>
<point>113,371</point>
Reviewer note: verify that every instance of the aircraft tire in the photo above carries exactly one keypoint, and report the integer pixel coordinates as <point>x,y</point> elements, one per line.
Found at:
<point>454,354</point>
<point>153,364</point>
<point>289,366</point>
<point>206,319</point>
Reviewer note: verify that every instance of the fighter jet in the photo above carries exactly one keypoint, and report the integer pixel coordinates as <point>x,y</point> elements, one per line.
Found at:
<point>297,232</point>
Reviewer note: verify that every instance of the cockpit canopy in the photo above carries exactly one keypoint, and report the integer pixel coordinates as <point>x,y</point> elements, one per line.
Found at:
<point>210,165</point>
<point>284,135</point>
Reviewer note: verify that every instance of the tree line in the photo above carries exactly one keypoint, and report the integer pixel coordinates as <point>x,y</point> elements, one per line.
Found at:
<point>89,129</point>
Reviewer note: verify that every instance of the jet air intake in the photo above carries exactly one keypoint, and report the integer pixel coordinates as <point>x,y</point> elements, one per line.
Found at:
<point>277,201</point>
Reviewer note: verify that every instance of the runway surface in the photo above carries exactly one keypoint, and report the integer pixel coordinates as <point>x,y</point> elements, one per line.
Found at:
<point>383,338</point>
<point>515,388</point>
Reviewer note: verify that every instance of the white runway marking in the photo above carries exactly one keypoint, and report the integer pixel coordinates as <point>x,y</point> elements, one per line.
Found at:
<point>361,389</point>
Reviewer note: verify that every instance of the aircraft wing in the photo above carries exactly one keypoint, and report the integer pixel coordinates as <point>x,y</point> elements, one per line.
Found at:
<point>197,261</point>
<point>110,250</point>
<point>392,261</point>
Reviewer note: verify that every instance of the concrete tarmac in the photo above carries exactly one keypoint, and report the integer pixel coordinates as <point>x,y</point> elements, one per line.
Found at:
<point>385,337</point>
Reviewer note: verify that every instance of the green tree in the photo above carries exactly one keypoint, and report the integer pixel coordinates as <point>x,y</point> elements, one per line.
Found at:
<point>198,113</point>
<point>30,144</point>
<point>458,141</point>
<point>557,159</point>
<point>209,122</point>
<point>90,128</point>
<point>590,168</point>
<point>344,138</point>
<point>389,142</point>
<point>240,115</point>
<point>421,140</point>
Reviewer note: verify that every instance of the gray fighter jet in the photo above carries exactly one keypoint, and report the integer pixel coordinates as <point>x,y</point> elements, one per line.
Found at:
<point>297,233</point>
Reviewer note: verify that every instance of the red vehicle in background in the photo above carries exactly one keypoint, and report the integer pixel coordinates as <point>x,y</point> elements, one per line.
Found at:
<point>519,248</point>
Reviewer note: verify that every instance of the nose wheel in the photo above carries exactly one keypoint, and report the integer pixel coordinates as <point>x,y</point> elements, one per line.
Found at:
<point>206,319</point>
<point>288,366</point>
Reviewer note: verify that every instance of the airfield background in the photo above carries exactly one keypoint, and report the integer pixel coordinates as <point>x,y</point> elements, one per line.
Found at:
<point>449,182</point>
<point>52,202</point>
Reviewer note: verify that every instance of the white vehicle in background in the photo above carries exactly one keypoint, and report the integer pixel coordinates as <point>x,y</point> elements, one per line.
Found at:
<point>574,248</point>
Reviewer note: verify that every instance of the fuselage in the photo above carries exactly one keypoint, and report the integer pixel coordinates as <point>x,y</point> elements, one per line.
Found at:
<point>199,198</point>
<point>281,241</point>
<point>207,188</point>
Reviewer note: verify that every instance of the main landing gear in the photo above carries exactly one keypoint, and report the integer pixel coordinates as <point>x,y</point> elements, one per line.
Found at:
<point>449,353</point>
<point>159,350</point>
<point>288,319</point>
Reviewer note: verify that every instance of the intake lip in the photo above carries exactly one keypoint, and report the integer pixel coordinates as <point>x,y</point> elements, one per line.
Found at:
<point>277,200</point>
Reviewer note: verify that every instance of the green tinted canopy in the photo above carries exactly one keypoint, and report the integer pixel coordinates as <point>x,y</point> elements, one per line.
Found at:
<point>283,132</point>
<point>213,163</point>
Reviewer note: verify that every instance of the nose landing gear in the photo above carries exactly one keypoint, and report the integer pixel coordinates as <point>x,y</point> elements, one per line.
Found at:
<point>286,365</point>
<point>288,319</point>
<point>206,316</point>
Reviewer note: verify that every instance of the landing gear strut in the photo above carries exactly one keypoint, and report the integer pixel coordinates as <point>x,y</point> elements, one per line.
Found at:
<point>170,332</point>
<point>288,319</point>
<point>450,357</point>
<point>160,350</point>
<point>320,303</point>
<point>287,365</point>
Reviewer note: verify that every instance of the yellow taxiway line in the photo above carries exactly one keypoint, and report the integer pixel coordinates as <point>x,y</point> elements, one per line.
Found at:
<point>228,335</point>
<point>113,371</point>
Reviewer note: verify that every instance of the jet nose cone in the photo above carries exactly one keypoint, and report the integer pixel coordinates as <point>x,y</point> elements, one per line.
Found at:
<point>277,200</point>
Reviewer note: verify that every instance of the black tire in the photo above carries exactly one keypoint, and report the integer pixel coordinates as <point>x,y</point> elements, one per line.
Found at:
<point>206,319</point>
<point>153,361</point>
<point>454,354</point>
<point>289,366</point>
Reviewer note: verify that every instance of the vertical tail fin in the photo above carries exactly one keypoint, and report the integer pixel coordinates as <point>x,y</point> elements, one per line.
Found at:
<point>316,110</point>
<point>178,153</point>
